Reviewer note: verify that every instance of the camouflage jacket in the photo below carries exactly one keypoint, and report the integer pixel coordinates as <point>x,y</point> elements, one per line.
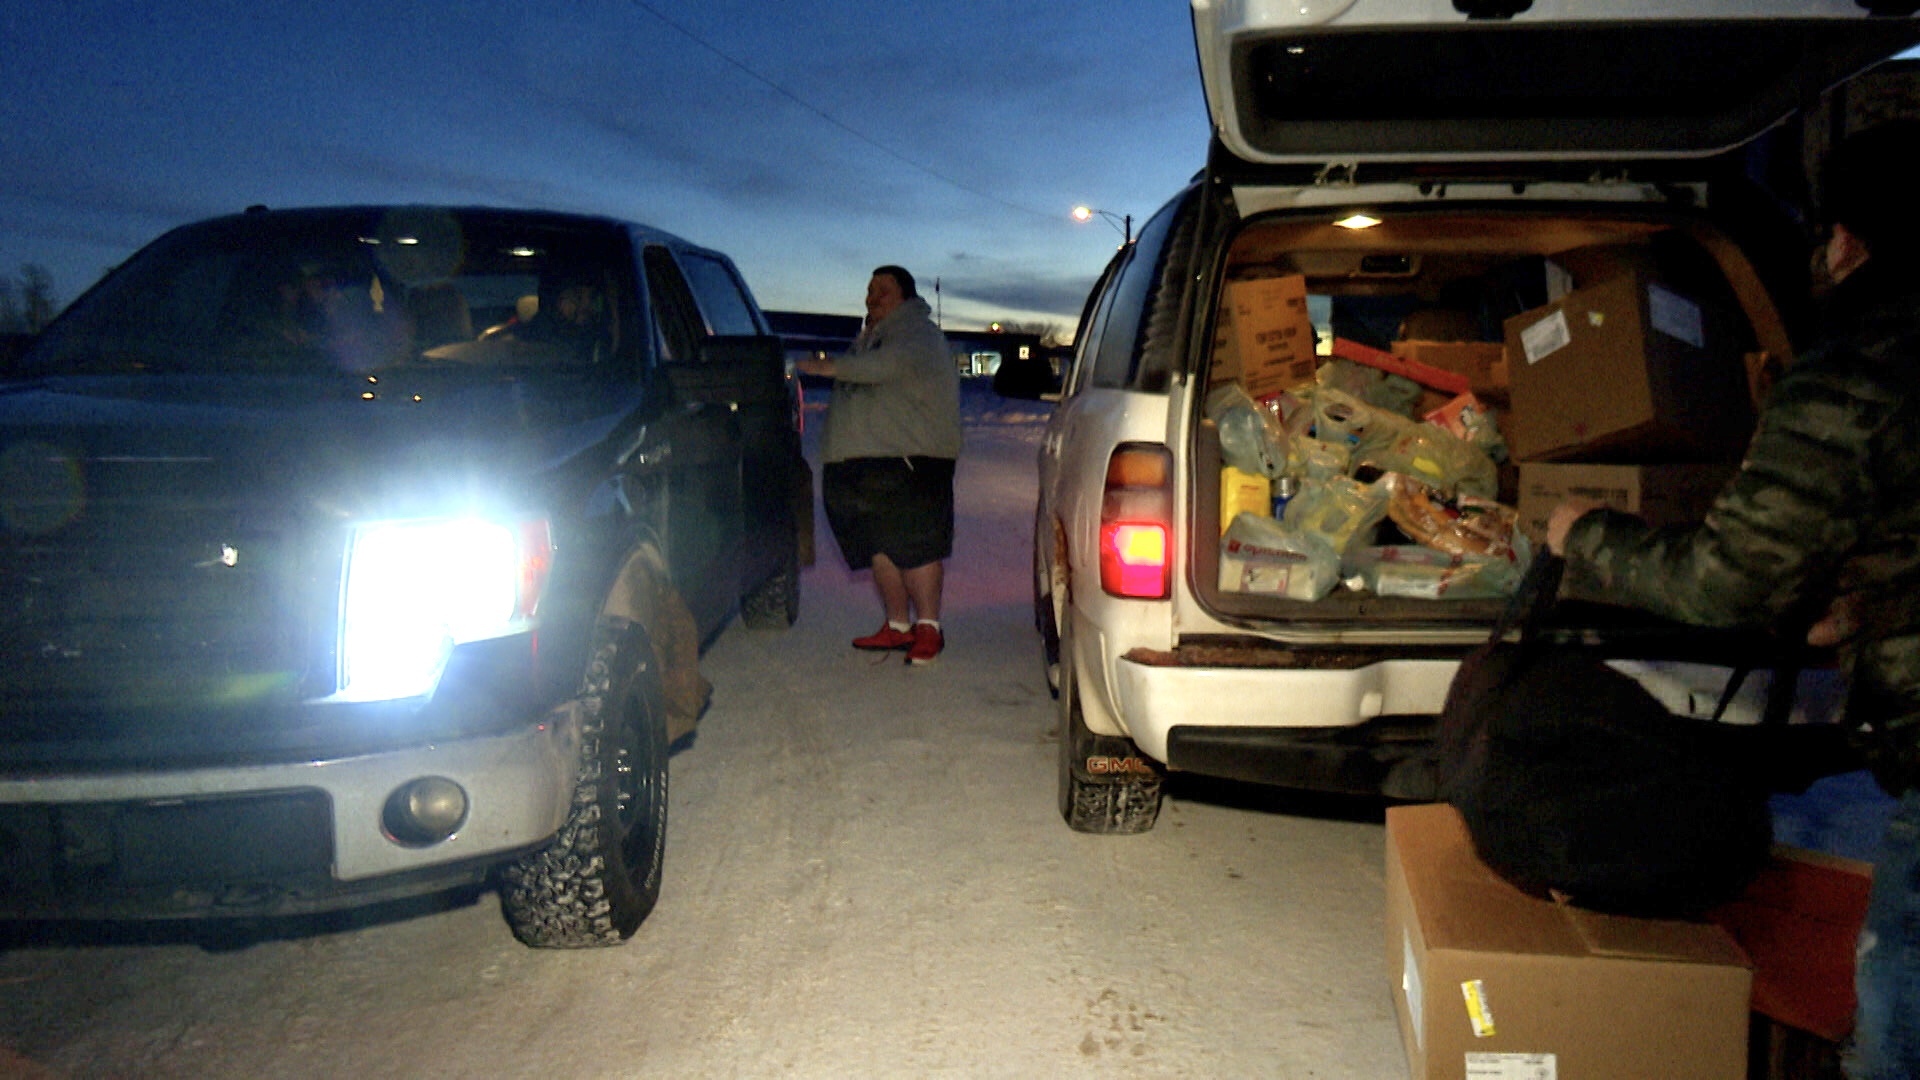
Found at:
<point>1826,502</point>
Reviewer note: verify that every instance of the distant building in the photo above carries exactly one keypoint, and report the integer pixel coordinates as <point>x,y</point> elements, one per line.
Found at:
<point>807,334</point>
<point>976,353</point>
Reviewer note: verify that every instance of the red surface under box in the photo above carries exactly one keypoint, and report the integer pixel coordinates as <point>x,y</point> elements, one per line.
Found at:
<point>1798,922</point>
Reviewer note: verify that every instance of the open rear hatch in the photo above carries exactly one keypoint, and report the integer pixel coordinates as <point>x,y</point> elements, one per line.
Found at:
<point>1313,81</point>
<point>1584,308</point>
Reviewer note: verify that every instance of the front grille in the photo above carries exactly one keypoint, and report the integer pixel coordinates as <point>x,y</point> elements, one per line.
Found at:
<point>156,596</point>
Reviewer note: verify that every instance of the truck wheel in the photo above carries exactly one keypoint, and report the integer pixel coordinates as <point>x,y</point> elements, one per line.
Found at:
<point>1106,785</point>
<point>600,876</point>
<point>1049,642</point>
<point>774,604</point>
<point>1044,622</point>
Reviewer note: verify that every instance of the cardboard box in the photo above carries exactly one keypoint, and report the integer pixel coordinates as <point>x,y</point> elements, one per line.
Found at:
<point>1243,493</point>
<point>1663,494</point>
<point>1435,378</point>
<point>1484,363</point>
<point>1272,333</point>
<point>1490,982</point>
<point>1627,370</point>
<point>1226,353</point>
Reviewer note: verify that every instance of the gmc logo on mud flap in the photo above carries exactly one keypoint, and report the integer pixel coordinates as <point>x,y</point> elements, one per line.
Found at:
<point>1118,766</point>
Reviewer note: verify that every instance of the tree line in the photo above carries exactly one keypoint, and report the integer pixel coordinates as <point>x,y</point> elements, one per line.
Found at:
<point>27,300</point>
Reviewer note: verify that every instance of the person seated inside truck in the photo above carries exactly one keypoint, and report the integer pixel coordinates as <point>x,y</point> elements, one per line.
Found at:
<point>572,324</point>
<point>575,312</point>
<point>321,314</point>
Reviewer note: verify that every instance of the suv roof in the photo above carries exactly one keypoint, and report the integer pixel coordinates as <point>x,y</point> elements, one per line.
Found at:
<point>1318,81</point>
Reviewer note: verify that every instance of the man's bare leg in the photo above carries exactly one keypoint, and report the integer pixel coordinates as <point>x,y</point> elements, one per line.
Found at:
<point>894,596</point>
<point>923,585</point>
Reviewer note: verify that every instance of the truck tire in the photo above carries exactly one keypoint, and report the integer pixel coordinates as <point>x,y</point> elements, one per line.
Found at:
<point>1107,786</point>
<point>600,876</point>
<point>774,604</point>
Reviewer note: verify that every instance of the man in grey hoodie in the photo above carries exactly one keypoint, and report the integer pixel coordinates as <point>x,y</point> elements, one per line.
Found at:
<point>892,437</point>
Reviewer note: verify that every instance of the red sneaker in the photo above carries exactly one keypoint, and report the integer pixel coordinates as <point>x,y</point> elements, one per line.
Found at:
<point>885,639</point>
<point>927,644</point>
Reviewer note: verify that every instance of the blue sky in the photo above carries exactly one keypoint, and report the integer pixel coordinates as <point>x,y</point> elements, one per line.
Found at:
<point>811,141</point>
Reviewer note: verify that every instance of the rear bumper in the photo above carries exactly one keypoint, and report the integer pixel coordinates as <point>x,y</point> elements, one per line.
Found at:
<point>1154,700</point>
<point>1391,756</point>
<point>274,839</point>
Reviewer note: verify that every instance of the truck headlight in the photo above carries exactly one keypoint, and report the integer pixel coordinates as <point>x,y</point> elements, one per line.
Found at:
<point>413,590</point>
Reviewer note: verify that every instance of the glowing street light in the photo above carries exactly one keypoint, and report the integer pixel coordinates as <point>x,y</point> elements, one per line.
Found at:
<point>1123,222</point>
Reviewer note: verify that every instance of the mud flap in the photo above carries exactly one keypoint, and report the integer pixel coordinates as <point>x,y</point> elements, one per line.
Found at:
<point>676,645</point>
<point>1108,759</point>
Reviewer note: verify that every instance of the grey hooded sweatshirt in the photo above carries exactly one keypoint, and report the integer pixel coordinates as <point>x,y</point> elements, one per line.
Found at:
<point>896,393</point>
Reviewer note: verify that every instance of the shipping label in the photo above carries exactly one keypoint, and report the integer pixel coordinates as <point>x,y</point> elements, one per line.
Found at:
<point>1482,1066</point>
<point>1546,337</point>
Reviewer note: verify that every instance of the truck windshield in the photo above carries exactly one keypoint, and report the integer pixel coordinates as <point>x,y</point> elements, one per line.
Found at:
<point>312,293</point>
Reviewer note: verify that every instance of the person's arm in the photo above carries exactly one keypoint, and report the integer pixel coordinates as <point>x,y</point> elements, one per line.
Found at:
<point>897,354</point>
<point>1774,534</point>
<point>1560,521</point>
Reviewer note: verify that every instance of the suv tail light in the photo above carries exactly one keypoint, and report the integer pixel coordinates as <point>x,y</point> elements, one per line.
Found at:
<point>1136,523</point>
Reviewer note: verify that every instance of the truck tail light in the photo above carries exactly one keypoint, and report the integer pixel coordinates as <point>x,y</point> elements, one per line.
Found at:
<point>1136,523</point>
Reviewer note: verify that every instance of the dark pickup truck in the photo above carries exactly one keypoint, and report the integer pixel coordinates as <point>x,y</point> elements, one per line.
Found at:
<point>359,553</point>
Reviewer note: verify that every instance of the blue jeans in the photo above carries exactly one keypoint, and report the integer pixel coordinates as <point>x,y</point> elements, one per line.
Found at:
<point>1886,1036</point>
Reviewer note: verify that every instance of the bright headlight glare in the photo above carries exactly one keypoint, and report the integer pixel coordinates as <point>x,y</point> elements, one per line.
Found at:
<point>416,589</point>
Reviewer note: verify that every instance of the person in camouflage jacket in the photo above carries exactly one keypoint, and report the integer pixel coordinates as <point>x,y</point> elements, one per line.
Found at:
<point>1825,513</point>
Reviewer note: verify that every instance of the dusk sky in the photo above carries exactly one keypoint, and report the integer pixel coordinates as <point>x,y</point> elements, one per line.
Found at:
<point>810,140</point>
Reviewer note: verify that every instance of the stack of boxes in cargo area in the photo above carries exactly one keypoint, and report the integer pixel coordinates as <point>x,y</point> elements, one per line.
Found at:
<point>1625,391</point>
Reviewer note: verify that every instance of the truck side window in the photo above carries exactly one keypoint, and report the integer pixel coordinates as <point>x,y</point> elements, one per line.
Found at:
<point>1092,327</point>
<point>722,298</point>
<point>1113,365</point>
<point>674,312</point>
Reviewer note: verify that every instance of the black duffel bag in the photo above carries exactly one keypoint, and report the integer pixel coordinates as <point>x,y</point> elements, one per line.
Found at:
<point>1574,779</point>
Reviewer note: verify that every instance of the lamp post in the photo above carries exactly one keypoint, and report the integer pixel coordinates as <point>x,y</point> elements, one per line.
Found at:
<point>1123,222</point>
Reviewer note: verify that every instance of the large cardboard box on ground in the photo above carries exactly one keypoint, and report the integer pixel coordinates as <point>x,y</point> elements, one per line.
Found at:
<point>1663,494</point>
<point>1272,333</point>
<point>1626,370</point>
<point>1491,983</point>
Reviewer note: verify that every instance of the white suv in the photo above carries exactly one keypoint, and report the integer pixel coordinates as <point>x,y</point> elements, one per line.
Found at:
<point>1487,179</point>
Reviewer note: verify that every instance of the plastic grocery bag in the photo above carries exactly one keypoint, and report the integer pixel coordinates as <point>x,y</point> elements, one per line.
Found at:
<point>1341,511</point>
<point>1416,572</point>
<point>1394,393</point>
<point>1389,442</point>
<point>1260,555</point>
<point>1435,457</point>
<point>1251,438</point>
<point>1464,525</point>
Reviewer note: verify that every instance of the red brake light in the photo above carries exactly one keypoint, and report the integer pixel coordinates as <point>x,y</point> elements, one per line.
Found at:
<point>1136,523</point>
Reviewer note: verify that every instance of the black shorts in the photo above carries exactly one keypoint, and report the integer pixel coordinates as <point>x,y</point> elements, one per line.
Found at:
<point>898,507</point>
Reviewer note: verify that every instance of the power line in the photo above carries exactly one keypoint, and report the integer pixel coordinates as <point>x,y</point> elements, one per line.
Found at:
<point>750,73</point>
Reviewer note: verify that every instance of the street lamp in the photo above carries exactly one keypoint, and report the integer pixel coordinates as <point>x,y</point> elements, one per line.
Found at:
<point>1123,222</point>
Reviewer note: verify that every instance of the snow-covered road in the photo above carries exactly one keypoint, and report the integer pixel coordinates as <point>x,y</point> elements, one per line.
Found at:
<point>866,877</point>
